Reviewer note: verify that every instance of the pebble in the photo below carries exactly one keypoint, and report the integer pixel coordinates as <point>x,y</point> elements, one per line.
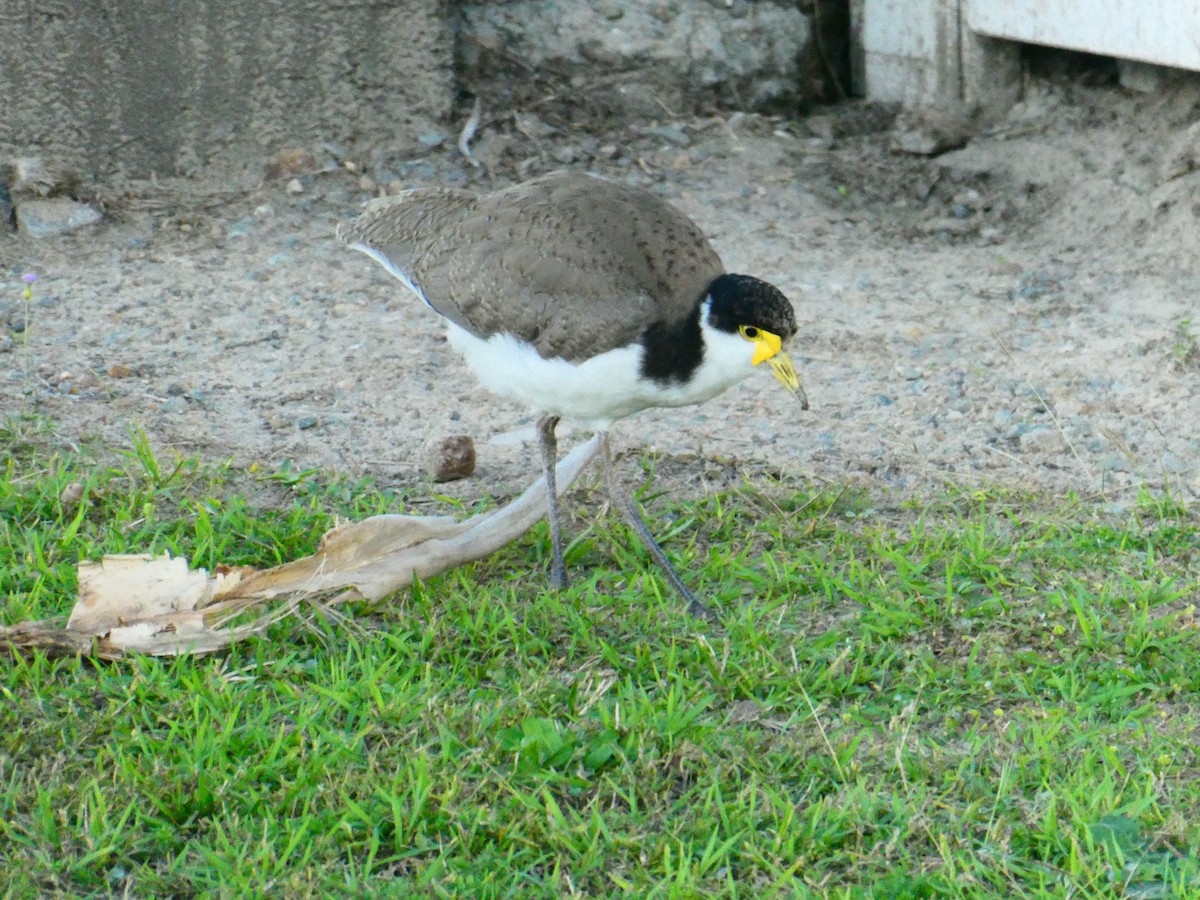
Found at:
<point>1116,462</point>
<point>306,422</point>
<point>611,10</point>
<point>71,494</point>
<point>567,153</point>
<point>289,163</point>
<point>1041,439</point>
<point>1017,430</point>
<point>450,458</point>
<point>240,228</point>
<point>47,218</point>
<point>673,134</point>
<point>1171,462</point>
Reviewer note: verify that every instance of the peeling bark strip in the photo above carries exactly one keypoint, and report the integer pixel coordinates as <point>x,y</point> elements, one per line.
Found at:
<point>157,606</point>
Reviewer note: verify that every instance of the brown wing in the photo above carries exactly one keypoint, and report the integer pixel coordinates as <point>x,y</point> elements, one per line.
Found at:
<point>573,264</point>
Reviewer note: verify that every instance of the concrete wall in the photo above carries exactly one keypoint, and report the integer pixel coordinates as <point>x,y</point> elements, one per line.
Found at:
<point>168,86</point>
<point>174,86</point>
<point>606,59</point>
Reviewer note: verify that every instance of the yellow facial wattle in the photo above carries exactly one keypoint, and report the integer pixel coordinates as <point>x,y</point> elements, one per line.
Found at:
<point>768,347</point>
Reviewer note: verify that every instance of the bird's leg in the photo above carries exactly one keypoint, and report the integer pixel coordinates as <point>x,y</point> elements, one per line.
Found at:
<point>549,446</point>
<point>629,510</point>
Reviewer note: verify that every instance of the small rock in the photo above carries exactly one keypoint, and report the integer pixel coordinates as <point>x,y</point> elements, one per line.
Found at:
<point>929,131</point>
<point>672,133</point>
<point>290,163</point>
<point>295,187</point>
<point>1115,462</point>
<point>174,406</point>
<point>1041,439</point>
<point>533,126</point>
<point>306,422</point>
<point>1145,78</point>
<point>71,494</point>
<point>450,459</point>
<point>430,139</point>
<point>240,228</point>
<point>47,218</point>
<point>119,371</point>
<point>1173,463</point>
<point>611,10</point>
<point>567,153</point>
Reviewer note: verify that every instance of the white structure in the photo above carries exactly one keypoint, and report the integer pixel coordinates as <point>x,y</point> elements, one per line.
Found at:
<point>932,51</point>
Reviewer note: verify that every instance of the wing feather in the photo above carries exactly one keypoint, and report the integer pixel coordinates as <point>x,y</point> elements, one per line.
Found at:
<point>573,264</point>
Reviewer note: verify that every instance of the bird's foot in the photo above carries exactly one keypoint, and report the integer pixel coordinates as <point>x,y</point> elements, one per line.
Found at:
<point>699,610</point>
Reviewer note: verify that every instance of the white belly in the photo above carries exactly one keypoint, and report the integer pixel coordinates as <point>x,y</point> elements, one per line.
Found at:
<point>597,391</point>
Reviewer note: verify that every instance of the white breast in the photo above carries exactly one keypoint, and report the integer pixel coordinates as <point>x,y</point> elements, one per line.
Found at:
<point>600,390</point>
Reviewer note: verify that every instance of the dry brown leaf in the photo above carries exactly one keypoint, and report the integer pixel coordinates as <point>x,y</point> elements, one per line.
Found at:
<point>157,606</point>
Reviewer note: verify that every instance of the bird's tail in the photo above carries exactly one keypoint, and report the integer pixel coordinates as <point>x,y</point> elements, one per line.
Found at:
<point>397,231</point>
<point>398,227</point>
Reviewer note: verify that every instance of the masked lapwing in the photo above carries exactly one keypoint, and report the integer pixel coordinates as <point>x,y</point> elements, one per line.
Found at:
<point>584,299</point>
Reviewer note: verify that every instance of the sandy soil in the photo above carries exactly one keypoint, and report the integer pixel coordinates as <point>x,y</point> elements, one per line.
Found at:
<point>1021,311</point>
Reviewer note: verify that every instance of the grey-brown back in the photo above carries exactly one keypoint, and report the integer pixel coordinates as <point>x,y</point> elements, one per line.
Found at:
<point>573,264</point>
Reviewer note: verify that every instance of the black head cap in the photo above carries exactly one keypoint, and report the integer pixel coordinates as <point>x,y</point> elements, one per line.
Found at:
<point>739,300</point>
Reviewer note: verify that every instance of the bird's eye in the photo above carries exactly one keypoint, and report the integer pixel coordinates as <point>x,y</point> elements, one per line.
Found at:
<point>749,332</point>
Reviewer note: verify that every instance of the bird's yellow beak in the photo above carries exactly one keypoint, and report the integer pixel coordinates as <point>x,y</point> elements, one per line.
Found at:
<point>768,347</point>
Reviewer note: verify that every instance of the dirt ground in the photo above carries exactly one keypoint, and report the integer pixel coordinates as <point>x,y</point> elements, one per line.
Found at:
<point>1019,312</point>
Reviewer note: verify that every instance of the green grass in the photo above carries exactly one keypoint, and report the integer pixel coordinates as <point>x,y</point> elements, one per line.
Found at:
<point>981,694</point>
